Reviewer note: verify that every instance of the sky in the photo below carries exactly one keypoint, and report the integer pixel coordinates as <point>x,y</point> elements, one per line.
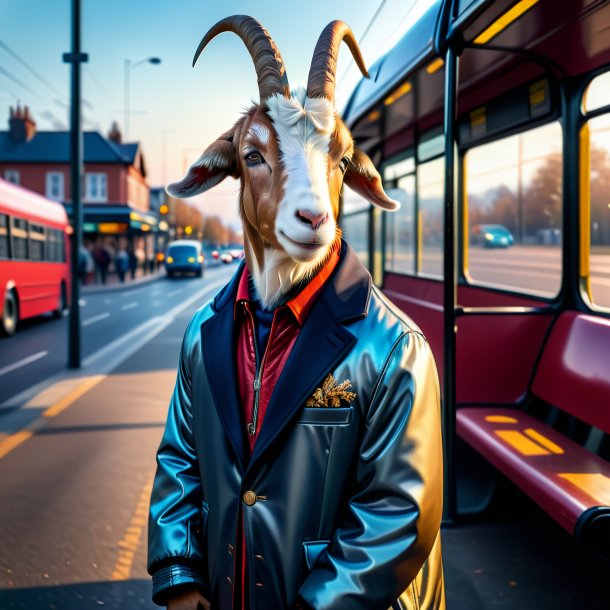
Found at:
<point>176,110</point>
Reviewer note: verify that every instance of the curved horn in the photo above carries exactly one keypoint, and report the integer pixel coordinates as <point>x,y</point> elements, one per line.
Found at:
<point>270,71</point>
<point>321,82</point>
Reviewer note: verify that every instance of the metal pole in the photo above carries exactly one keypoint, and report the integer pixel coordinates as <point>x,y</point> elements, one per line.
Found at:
<point>75,57</point>
<point>450,286</point>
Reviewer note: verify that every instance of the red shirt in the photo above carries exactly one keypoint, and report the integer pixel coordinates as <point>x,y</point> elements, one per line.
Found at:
<point>287,322</point>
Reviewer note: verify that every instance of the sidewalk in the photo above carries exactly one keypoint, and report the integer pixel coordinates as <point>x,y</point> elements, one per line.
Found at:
<point>113,283</point>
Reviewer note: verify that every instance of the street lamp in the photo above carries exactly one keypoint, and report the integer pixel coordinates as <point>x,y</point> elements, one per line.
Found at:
<point>130,65</point>
<point>164,134</point>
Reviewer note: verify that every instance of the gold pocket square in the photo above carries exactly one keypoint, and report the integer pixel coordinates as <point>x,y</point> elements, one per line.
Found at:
<point>331,394</point>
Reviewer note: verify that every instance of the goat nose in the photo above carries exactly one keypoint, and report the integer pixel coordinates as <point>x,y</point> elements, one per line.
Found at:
<point>311,218</point>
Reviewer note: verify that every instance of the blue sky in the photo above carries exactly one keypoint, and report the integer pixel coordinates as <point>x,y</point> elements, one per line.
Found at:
<point>192,106</point>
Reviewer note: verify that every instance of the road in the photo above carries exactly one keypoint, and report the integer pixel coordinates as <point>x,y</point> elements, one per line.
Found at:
<point>75,493</point>
<point>532,270</point>
<point>76,474</point>
<point>39,348</point>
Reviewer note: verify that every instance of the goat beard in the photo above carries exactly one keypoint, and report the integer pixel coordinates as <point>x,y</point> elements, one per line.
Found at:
<point>276,276</point>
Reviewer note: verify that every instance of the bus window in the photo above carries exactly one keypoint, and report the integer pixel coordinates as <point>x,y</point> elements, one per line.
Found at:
<point>19,236</point>
<point>36,242</point>
<point>514,205</point>
<point>599,138</point>
<point>51,249</point>
<point>4,251</point>
<point>430,187</point>
<point>61,257</point>
<point>355,228</point>
<point>400,244</point>
<point>597,95</point>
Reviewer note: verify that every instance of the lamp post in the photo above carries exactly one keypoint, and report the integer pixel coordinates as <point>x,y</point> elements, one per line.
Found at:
<point>75,58</point>
<point>128,66</point>
<point>164,134</point>
<point>185,154</point>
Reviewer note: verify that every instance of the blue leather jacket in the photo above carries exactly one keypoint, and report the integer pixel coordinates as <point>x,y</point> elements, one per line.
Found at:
<point>342,505</point>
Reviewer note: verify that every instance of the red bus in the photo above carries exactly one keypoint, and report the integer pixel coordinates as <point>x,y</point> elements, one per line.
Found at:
<point>34,256</point>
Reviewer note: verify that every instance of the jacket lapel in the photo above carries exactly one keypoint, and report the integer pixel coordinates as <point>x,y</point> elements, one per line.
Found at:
<point>322,344</point>
<point>217,345</point>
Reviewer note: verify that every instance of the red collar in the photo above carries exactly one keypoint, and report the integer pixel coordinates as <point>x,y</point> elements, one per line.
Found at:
<point>301,304</point>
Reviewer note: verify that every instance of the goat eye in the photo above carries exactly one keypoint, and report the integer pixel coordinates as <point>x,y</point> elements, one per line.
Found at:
<point>343,164</point>
<point>254,158</point>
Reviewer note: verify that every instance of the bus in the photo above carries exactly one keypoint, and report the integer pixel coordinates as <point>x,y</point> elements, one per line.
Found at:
<point>496,114</point>
<point>34,256</point>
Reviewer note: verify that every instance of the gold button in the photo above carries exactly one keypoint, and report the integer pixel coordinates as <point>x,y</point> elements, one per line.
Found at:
<point>249,498</point>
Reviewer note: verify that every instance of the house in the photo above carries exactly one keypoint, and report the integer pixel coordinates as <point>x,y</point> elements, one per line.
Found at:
<point>116,196</point>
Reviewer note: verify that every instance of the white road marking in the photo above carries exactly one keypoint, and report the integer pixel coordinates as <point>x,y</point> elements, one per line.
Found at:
<point>130,305</point>
<point>156,303</point>
<point>95,319</point>
<point>173,292</point>
<point>129,292</point>
<point>17,365</point>
<point>109,357</point>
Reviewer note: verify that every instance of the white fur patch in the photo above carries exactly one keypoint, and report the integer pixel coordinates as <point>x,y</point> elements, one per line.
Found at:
<point>278,274</point>
<point>304,127</point>
<point>261,132</point>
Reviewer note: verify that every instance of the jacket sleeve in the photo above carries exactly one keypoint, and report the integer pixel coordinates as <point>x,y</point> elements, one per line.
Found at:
<point>394,511</point>
<point>175,553</point>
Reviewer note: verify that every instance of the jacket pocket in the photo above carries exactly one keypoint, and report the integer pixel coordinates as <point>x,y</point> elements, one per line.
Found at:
<point>326,416</point>
<point>313,549</point>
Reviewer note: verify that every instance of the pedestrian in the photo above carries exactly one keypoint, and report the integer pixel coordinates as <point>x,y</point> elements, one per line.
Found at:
<point>133,263</point>
<point>102,261</point>
<point>84,262</point>
<point>121,263</point>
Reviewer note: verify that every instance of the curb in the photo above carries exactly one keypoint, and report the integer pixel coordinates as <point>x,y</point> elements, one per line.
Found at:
<point>97,288</point>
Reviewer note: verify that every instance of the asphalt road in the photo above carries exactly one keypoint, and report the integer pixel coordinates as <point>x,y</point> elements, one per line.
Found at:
<point>39,349</point>
<point>75,494</point>
<point>532,270</point>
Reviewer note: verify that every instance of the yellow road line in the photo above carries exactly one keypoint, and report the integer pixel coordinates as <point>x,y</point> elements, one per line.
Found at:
<point>132,538</point>
<point>14,440</point>
<point>73,396</point>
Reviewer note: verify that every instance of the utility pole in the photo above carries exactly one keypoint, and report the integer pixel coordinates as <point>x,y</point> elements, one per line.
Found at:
<point>75,57</point>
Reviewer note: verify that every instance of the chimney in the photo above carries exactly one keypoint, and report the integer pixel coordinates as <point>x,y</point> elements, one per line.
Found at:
<point>115,133</point>
<point>22,127</point>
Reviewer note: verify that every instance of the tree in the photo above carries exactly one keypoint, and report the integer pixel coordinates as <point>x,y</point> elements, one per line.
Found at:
<point>543,196</point>
<point>600,196</point>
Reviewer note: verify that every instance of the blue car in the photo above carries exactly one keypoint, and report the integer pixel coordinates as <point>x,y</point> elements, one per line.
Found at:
<point>491,236</point>
<point>184,256</point>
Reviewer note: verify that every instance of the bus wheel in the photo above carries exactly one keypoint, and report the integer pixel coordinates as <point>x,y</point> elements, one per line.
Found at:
<point>62,303</point>
<point>10,314</point>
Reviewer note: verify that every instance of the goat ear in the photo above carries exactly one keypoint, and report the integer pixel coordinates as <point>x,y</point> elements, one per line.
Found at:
<point>216,163</point>
<point>362,177</point>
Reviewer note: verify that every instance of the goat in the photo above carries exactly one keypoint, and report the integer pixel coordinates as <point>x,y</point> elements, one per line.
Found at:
<point>292,154</point>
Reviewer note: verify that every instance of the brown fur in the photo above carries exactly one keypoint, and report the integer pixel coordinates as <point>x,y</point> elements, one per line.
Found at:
<point>262,186</point>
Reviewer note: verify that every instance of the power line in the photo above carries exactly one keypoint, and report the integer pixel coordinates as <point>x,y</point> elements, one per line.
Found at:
<point>364,34</point>
<point>17,81</point>
<point>97,83</point>
<point>30,69</point>
<point>368,27</point>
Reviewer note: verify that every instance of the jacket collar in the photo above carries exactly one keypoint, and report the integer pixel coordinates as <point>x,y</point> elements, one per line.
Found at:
<point>347,292</point>
<point>322,344</point>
